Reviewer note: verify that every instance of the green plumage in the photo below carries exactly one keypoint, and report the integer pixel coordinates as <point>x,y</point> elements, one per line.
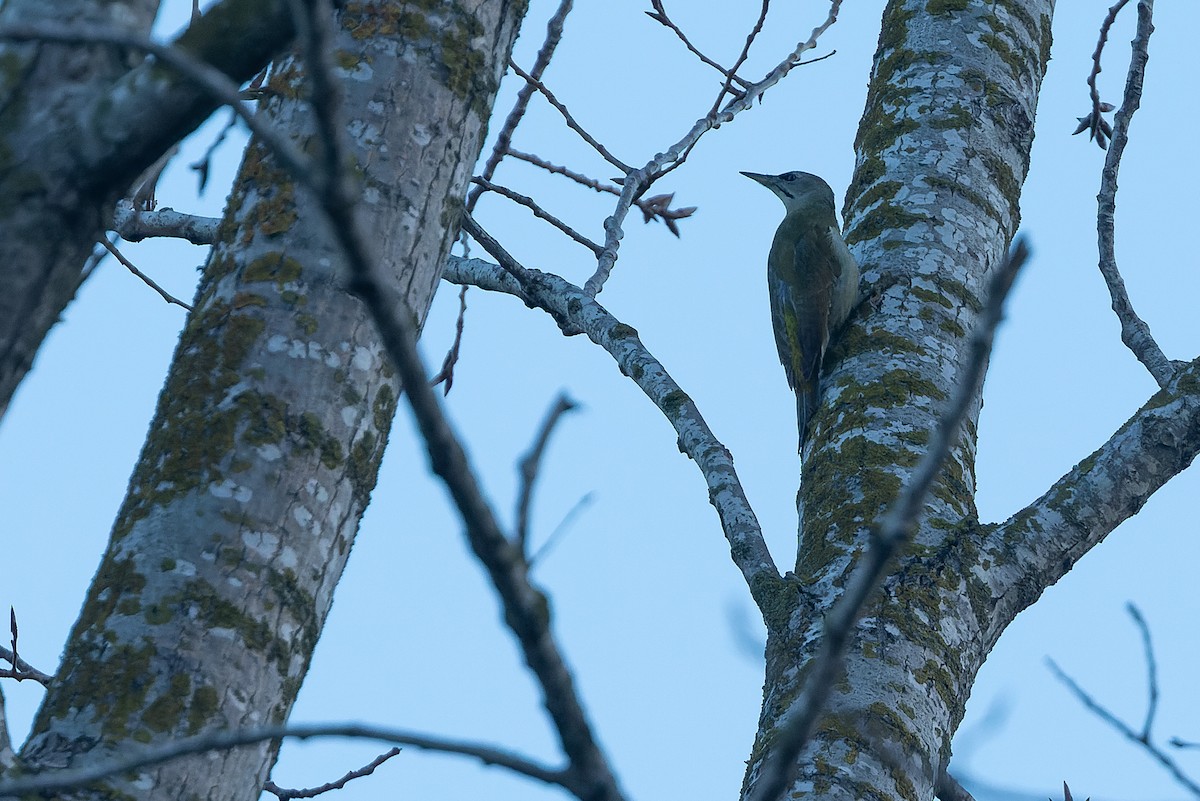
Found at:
<point>812,280</point>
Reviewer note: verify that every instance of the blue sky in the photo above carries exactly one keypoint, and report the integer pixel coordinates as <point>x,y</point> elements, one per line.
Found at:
<point>650,609</point>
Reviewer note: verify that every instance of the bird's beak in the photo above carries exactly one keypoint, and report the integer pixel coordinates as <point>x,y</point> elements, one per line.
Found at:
<point>757,176</point>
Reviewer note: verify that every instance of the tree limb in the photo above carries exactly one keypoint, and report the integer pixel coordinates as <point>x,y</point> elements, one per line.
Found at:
<point>1134,331</point>
<point>134,226</point>
<point>224,740</point>
<point>574,310</point>
<point>1037,546</point>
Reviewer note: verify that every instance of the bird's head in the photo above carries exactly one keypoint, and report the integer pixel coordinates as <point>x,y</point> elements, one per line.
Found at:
<point>799,191</point>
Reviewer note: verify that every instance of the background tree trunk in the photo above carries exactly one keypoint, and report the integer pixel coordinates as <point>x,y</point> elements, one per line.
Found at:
<point>264,449</point>
<point>79,124</point>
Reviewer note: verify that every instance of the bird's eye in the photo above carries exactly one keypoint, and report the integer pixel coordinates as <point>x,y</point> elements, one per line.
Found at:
<point>788,176</point>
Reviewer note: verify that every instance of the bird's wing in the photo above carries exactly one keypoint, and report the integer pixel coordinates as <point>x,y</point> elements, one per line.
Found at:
<point>801,292</point>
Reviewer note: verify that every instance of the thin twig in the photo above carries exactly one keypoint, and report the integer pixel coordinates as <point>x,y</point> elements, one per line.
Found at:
<point>653,208</point>
<point>1094,122</point>
<point>1151,670</point>
<point>637,181</point>
<point>531,462</point>
<point>778,768</point>
<point>446,374</point>
<point>563,526</point>
<point>554,32</point>
<point>202,165</point>
<point>134,226</point>
<point>538,212</point>
<point>659,15</point>
<point>225,740</point>
<point>575,311</point>
<point>1134,331</point>
<point>1125,729</point>
<point>366,770</point>
<point>571,123</point>
<point>20,669</point>
<point>147,280</point>
<point>727,87</point>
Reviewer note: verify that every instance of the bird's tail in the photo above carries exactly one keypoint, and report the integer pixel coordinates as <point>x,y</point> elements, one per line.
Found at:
<point>806,407</point>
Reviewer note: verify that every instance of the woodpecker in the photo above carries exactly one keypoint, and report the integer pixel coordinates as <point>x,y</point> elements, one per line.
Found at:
<point>812,280</point>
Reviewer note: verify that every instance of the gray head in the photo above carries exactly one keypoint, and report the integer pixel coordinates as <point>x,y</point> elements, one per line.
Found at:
<point>797,190</point>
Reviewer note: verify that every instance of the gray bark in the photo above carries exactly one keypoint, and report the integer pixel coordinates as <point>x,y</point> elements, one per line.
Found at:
<point>942,151</point>
<point>264,449</point>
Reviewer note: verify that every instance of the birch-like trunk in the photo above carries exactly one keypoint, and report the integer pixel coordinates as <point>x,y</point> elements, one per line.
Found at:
<point>264,449</point>
<point>942,152</point>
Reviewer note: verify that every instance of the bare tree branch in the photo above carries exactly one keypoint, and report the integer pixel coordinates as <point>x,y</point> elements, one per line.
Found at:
<point>652,208</point>
<point>637,181</point>
<point>531,463</point>
<point>1144,737</point>
<point>446,374</point>
<point>571,123</point>
<point>1094,497</point>
<point>727,88</point>
<point>1098,128</point>
<point>366,770</point>
<point>538,212</point>
<point>134,226</point>
<point>659,15</point>
<point>147,280</point>
<point>21,669</point>
<point>562,527</point>
<point>778,768</point>
<point>1134,331</point>
<point>225,740</point>
<point>554,32</point>
<point>574,310</point>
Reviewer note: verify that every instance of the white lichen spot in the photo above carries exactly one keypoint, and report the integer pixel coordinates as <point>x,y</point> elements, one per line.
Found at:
<point>317,490</point>
<point>287,559</point>
<point>145,781</point>
<point>302,516</point>
<point>371,196</point>
<point>261,543</point>
<point>221,633</point>
<point>363,359</point>
<point>350,415</point>
<point>375,106</point>
<point>277,343</point>
<point>183,568</point>
<point>421,135</point>
<point>229,489</point>
<point>285,630</point>
<point>269,453</point>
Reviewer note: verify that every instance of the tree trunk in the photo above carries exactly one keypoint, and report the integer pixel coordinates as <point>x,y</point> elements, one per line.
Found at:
<point>264,449</point>
<point>942,151</point>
